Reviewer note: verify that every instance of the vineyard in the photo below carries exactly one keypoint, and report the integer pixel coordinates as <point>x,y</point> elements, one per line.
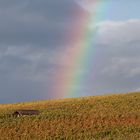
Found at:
<point>105,117</point>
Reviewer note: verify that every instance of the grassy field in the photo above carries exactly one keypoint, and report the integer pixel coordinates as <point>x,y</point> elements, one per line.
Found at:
<point>110,117</point>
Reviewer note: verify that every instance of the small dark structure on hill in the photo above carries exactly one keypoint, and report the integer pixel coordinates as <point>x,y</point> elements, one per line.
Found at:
<point>19,113</point>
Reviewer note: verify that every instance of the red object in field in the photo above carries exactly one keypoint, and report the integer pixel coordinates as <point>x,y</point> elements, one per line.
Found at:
<point>19,113</point>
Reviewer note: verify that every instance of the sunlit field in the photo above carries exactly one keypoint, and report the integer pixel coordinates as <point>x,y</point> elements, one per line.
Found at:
<point>106,117</point>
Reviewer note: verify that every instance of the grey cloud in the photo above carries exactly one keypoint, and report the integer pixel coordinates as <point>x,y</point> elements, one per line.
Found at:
<point>40,23</point>
<point>122,32</point>
<point>28,61</point>
<point>118,48</point>
<point>33,36</point>
<point>13,90</point>
<point>26,73</point>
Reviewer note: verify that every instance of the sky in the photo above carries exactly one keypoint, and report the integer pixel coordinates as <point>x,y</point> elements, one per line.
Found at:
<point>36,39</point>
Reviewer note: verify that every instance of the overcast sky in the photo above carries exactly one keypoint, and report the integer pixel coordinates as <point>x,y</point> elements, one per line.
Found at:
<point>33,44</point>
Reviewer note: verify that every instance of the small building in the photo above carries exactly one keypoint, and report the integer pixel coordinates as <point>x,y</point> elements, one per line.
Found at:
<point>19,113</point>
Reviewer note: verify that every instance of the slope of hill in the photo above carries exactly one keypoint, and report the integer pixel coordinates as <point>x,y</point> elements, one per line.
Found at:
<point>102,117</point>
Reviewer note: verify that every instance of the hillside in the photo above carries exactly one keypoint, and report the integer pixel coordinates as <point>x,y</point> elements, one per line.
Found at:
<point>106,117</point>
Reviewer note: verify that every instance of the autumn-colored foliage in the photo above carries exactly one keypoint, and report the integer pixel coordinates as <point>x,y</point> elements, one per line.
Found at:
<point>88,118</point>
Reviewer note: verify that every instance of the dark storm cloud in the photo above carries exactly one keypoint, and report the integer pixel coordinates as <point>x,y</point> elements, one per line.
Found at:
<point>33,49</point>
<point>13,90</point>
<point>26,73</point>
<point>32,34</point>
<point>44,23</point>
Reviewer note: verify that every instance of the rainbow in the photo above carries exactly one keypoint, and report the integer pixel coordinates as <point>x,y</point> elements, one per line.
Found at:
<point>81,52</point>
